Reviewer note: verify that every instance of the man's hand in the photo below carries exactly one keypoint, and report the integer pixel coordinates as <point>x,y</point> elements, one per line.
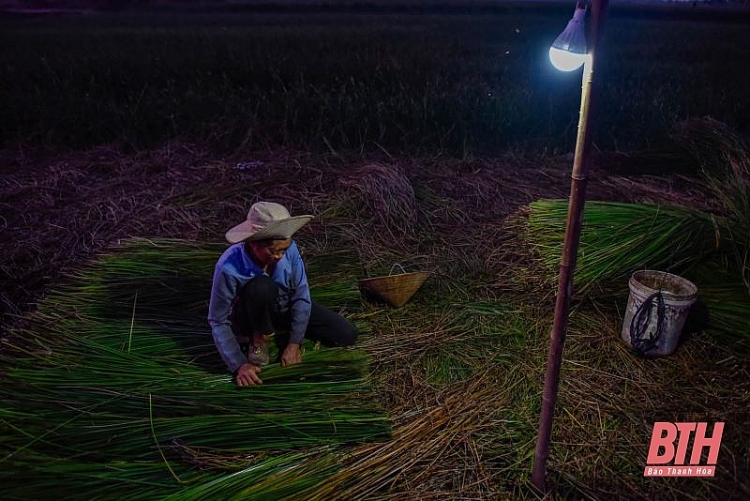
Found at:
<point>247,375</point>
<point>292,355</point>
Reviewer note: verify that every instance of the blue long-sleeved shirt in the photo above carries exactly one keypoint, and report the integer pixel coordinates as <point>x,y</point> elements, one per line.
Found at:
<point>233,269</point>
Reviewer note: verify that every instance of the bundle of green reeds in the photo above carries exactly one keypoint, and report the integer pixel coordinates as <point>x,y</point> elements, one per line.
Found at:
<point>619,238</point>
<point>272,477</point>
<point>115,378</point>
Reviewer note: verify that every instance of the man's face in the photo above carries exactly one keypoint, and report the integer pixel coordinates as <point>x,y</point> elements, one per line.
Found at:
<point>270,251</point>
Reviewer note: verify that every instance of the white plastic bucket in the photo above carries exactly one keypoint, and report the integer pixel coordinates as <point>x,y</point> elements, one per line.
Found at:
<point>678,294</point>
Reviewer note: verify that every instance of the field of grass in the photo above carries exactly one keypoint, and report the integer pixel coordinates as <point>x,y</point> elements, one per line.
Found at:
<point>451,83</point>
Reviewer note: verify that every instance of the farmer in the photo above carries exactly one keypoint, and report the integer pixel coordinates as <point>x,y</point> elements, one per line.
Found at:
<point>260,288</point>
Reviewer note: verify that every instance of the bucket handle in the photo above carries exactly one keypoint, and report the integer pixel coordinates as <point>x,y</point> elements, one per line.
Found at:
<point>399,265</point>
<point>641,320</point>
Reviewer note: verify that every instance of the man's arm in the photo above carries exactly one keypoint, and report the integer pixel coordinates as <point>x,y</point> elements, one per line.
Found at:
<point>223,292</point>
<point>300,301</point>
<point>299,308</point>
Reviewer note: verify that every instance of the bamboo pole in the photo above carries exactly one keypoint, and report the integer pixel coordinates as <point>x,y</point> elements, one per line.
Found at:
<point>579,179</point>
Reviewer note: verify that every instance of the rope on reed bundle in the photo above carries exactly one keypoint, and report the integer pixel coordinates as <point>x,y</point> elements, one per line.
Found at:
<point>641,320</point>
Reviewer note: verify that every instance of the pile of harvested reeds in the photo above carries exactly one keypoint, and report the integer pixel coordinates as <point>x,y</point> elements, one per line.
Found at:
<point>619,238</point>
<point>711,249</point>
<point>117,369</point>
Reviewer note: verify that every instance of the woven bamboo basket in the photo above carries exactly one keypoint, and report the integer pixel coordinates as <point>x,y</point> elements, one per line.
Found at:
<point>396,289</point>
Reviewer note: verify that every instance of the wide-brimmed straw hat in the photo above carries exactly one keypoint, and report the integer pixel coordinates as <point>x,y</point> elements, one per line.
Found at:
<point>267,220</point>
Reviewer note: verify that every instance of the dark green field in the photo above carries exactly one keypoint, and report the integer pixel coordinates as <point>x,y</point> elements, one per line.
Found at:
<point>414,83</point>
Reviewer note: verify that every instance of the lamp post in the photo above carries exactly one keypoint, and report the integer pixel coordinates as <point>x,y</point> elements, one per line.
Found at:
<point>567,53</point>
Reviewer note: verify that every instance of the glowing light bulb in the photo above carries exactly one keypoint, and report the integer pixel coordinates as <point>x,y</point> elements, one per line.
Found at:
<point>568,51</point>
<point>566,61</point>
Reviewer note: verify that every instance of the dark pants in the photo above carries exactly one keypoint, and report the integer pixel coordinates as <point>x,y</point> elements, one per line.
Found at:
<point>256,311</point>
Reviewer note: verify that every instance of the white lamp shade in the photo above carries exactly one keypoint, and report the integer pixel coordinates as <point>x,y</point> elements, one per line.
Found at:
<point>568,51</point>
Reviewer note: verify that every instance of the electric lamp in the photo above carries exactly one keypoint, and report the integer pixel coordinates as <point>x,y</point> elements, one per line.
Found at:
<point>568,51</point>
